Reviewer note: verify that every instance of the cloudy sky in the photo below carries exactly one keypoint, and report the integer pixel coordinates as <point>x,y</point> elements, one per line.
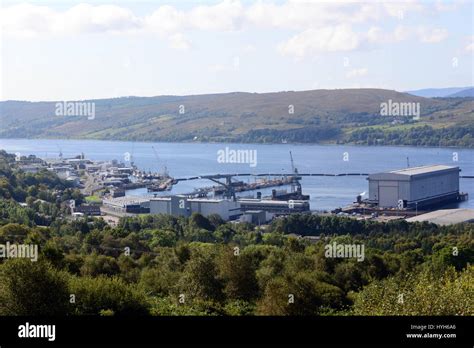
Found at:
<point>70,50</point>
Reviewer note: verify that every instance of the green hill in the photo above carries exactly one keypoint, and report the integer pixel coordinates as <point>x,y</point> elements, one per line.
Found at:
<point>345,115</point>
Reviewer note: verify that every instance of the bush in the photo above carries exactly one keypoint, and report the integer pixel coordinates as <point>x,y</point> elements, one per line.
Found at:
<point>423,293</point>
<point>94,296</point>
<point>32,288</point>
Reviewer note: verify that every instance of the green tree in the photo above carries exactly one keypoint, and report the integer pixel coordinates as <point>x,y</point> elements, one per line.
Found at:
<point>32,288</point>
<point>200,277</point>
<point>95,295</point>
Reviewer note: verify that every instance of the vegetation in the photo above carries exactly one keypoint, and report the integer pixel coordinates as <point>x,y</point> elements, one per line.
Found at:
<point>164,265</point>
<point>417,136</point>
<point>319,116</point>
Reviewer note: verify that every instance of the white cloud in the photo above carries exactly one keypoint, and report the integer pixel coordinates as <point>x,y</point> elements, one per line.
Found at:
<point>304,14</point>
<point>165,19</point>
<point>357,72</point>
<point>448,5</point>
<point>25,20</point>
<point>470,46</point>
<point>432,35</point>
<point>400,9</point>
<point>224,16</point>
<point>323,25</point>
<point>402,33</point>
<point>179,42</point>
<point>315,41</point>
<point>85,18</point>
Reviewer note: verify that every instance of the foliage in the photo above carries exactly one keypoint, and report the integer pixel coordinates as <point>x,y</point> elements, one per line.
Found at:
<point>32,288</point>
<point>205,266</point>
<point>93,296</point>
<point>424,293</point>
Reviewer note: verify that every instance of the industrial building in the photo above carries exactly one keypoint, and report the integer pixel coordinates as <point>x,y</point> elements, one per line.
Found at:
<point>129,204</point>
<point>256,217</point>
<point>88,209</point>
<point>275,207</point>
<point>184,206</point>
<point>415,187</point>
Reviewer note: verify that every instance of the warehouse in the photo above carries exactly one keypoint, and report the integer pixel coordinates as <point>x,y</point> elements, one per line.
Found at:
<point>274,207</point>
<point>129,204</point>
<point>184,206</point>
<point>415,187</point>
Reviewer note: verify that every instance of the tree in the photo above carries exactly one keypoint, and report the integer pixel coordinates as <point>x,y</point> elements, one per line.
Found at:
<point>93,296</point>
<point>95,264</point>
<point>238,272</point>
<point>301,294</point>
<point>32,288</point>
<point>421,293</point>
<point>199,221</point>
<point>199,280</point>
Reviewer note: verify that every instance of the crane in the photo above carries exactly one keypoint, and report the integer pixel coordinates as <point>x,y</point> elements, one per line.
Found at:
<point>60,152</point>
<point>131,156</point>
<point>293,169</point>
<point>165,170</point>
<point>295,183</point>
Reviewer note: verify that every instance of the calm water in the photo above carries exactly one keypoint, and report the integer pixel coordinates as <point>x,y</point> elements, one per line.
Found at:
<point>186,160</point>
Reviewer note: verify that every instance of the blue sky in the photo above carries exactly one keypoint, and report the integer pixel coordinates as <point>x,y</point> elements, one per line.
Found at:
<point>75,50</point>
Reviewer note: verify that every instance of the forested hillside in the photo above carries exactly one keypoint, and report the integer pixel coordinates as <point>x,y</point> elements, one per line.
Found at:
<point>319,116</point>
<point>164,265</point>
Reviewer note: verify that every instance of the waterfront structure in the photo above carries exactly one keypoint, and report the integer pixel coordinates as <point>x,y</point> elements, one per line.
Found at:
<point>445,216</point>
<point>275,207</point>
<point>129,204</point>
<point>184,206</point>
<point>415,187</point>
<point>256,217</point>
<point>88,209</point>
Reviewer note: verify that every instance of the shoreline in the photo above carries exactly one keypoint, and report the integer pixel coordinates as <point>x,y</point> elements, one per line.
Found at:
<point>241,143</point>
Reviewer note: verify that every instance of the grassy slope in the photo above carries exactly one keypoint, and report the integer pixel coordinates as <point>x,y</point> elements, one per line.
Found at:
<point>226,116</point>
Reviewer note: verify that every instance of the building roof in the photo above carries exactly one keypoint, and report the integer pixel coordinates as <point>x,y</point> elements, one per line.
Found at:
<point>407,174</point>
<point>422,169</point>
<point>256,201</point>
<point>445,216</point>
<point>194,200</point>
<point>127,200</point>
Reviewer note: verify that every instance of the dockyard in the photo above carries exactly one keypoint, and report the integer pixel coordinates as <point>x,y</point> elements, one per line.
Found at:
<point>401,194</point>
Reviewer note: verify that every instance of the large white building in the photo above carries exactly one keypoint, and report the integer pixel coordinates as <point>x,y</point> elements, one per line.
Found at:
<point>184,206</point>
<point>414,187</point>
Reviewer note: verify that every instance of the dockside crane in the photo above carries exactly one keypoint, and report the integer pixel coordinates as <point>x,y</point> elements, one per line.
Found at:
<point>132,164</point>
<point>165,170</point>
<point>60,152</point>
<point>293,168</point>
<point>295,182</point>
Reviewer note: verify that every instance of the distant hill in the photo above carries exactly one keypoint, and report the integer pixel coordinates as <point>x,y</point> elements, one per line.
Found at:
<point>438,92</point>
<point>463,94</point>
<point>317,116</point>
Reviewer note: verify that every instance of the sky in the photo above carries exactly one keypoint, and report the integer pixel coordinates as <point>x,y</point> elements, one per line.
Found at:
<point>75,50</point>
